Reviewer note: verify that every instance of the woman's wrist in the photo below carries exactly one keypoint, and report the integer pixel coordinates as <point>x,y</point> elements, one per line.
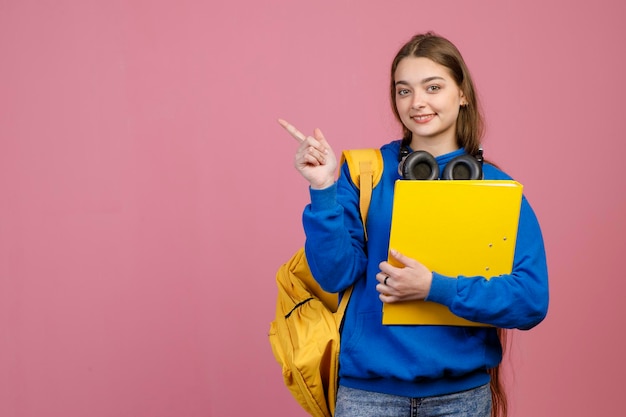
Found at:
<point>323,185</point>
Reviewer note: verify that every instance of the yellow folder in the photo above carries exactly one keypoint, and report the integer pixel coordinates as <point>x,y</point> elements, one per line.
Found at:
<point>455,228</point>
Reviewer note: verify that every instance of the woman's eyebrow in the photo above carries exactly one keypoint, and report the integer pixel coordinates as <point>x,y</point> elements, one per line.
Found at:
<point>424,81</point>
<point>429,79</point>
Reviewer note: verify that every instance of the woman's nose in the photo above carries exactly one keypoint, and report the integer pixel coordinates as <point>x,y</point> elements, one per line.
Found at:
<point>418,101</point>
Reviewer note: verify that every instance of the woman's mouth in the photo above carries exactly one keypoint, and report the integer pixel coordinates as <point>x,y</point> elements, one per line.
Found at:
<point>423,118</point>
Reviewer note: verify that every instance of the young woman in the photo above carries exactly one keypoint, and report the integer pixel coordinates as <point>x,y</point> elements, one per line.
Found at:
<point>416,370</point>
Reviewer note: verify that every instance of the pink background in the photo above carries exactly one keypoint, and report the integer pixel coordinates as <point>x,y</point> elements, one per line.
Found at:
<point>147,194</point>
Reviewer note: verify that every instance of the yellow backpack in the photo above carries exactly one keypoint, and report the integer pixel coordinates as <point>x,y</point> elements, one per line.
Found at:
<point>305,332</point>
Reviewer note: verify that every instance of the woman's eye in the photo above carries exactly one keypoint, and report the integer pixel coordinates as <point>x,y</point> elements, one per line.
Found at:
<point>403,92</point>
<point>433,88</point>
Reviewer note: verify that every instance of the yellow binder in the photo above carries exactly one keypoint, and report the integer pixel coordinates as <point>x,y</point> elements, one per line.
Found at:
<point>455,228</point>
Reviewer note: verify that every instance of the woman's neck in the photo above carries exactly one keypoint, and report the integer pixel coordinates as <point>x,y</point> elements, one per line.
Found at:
<point>435,147</point>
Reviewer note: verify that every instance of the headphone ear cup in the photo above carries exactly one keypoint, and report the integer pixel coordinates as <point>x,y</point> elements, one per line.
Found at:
<point>463,167</point>
<point>420,165</point>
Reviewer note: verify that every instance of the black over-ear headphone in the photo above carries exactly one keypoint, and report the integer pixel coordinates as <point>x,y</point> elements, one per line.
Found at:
<point>421,165</point>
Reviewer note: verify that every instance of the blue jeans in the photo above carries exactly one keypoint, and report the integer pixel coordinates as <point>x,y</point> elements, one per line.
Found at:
<point>356,403</point>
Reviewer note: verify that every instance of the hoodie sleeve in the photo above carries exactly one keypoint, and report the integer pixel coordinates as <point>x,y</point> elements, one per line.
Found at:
<point>335,241</point>
<point>517,300</point>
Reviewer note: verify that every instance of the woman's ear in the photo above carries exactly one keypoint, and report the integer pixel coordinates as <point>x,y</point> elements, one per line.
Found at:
<point>463,100</point>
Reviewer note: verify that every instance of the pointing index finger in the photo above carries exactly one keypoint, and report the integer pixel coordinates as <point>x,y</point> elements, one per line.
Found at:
<point>292,130</point>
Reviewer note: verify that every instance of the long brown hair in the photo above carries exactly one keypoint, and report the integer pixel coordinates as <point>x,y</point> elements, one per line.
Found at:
<point>469,132</point>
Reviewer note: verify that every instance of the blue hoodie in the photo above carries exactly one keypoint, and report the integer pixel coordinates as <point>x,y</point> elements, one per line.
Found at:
<point>417,361</point>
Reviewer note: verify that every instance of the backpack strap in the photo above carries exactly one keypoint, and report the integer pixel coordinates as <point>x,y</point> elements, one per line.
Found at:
<point>366,169</point>
<point>354,156</point>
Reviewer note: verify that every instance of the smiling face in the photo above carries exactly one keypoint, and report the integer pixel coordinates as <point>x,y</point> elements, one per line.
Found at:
<point>428,101</point>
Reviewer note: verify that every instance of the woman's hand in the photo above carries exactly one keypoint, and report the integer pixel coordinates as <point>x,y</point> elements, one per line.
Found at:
<point>411,282</point>
<point>315,159</point>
